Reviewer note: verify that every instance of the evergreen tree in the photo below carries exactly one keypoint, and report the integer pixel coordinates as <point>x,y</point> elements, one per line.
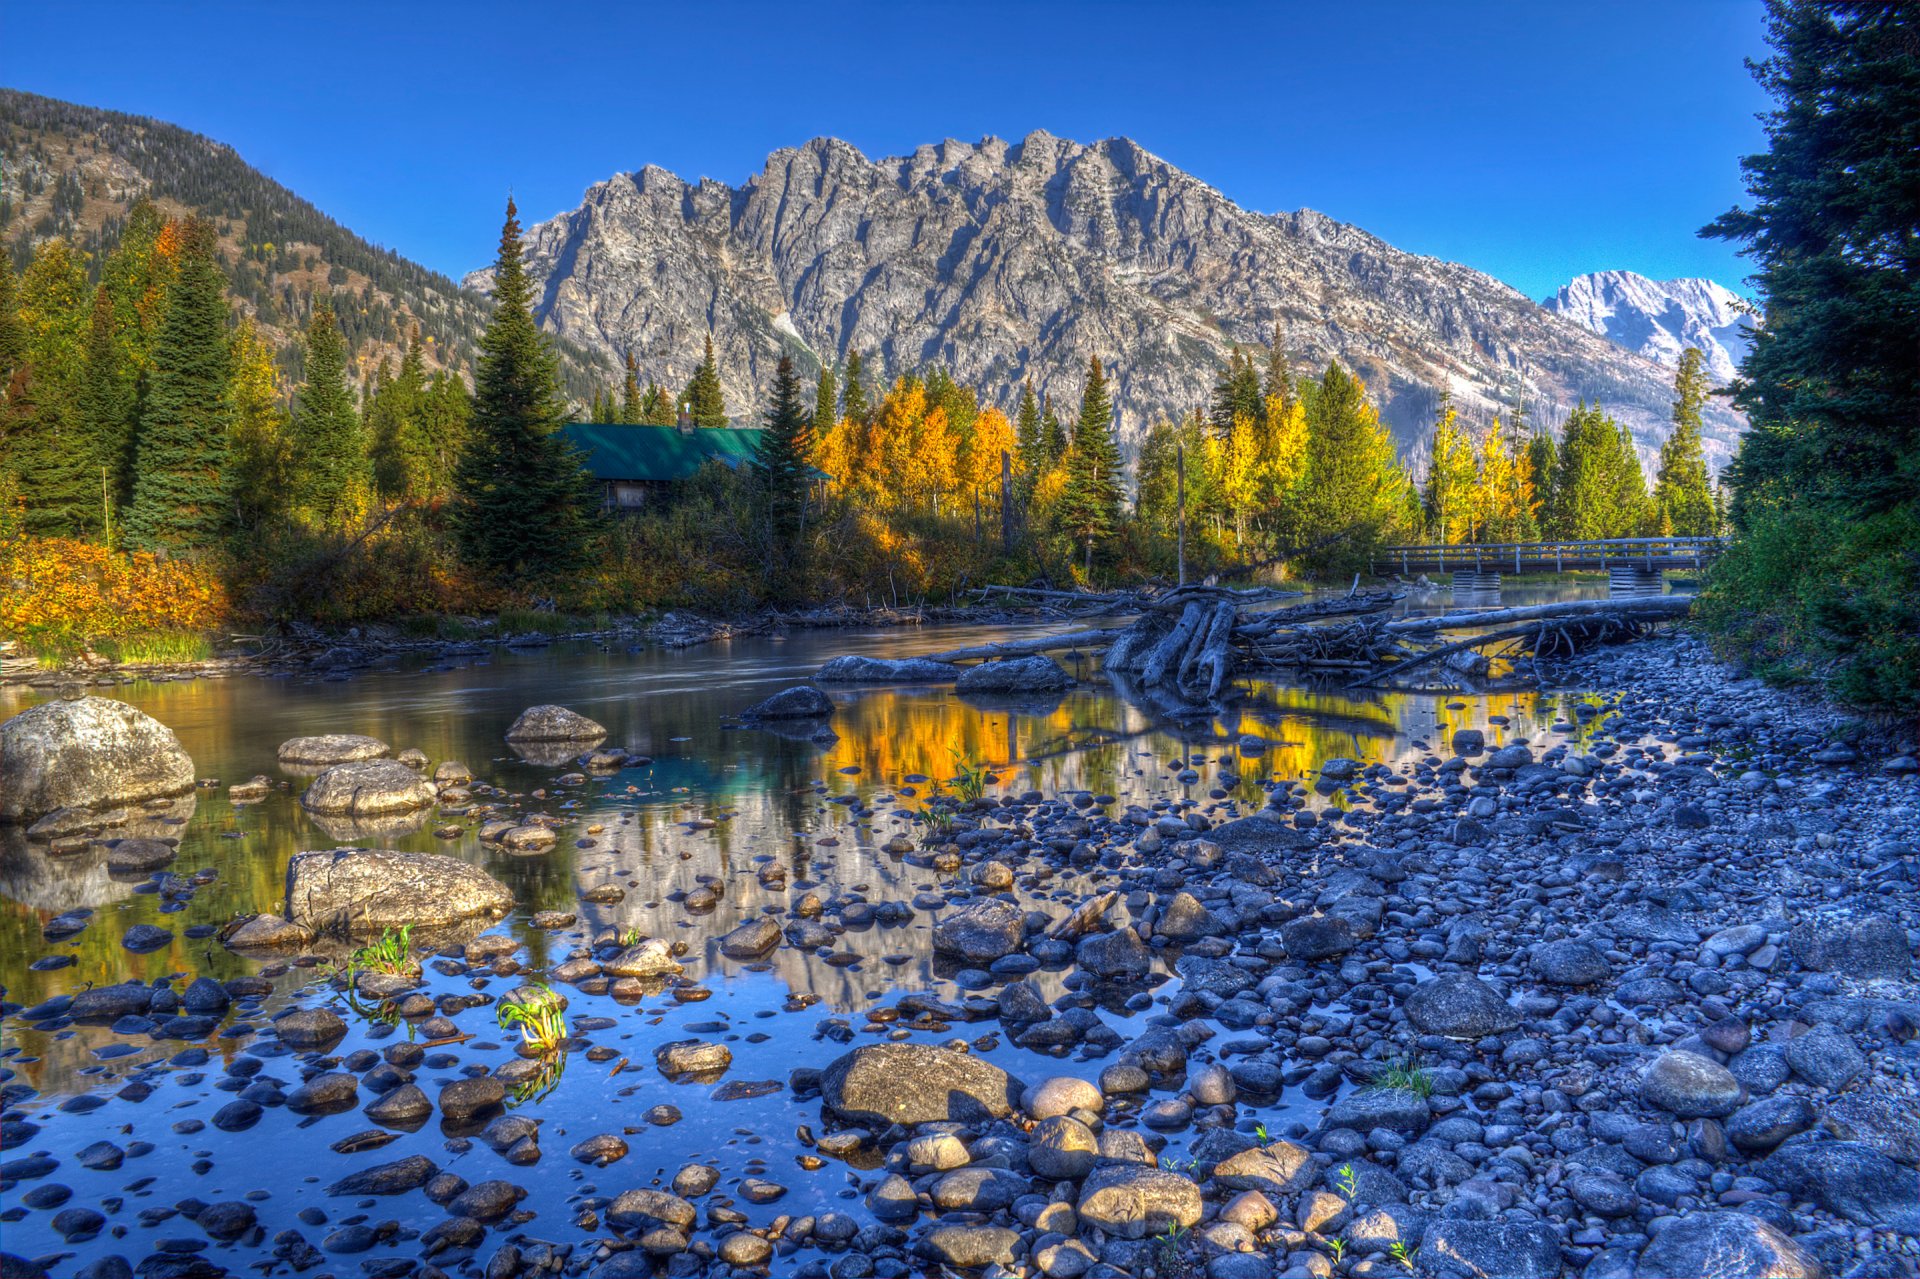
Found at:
<point>1279,382</point>
<point>1090,505</point>
<point>1450,478</point>
<point>854,405</point>
<point>703,398</point>
<point>445,408</point>
<point>46,441</point>
<point>1682,492</point>
<point>656,406</point>
<point>783,462</point>
<point>260,458</point>
<point>1053,435</point>
<point>1028,444</point>
<point>826,398</point>
<point>406,465</point>
<point>1543,464</point>
<point>1352,492</point>
<point>1237,391</point>
<point>180,502</point>
<point>1598,488</point>
<point>106,404</point>
<point>330,468</point>
<point>630,394</point>
<point>13,338</point>
<point>522,496</point>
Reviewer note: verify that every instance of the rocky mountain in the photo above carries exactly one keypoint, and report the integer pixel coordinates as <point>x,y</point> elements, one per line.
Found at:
<point>1011,260</point>
<point>73,171</point>
<point>1661,318</point>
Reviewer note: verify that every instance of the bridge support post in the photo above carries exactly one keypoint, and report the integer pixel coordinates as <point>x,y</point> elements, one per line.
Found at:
<point>1476,586</point>
<point>1633,582</point>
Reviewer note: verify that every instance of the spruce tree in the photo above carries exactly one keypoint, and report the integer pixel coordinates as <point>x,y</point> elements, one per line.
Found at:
<point>180,503</point>
<point>1352,491</point>
<point>656,406</point>
<point>330,468</point>
<point>260,458</point>
<point>1682,492</point>
<point>854,406</point>
<point>1027,440</point>
<point>523,501</point>
<point>1279,382</point>
<point>105,402</point>
<point>13,338</point>
<point>706,405</point>
<point>1450,478</point>
<point>1053,435</point>
<point>1090,504</point>
<point>630,394</point>
<point>783,469</point>
<point>825,401</point>
<point>1236,392</point>
<point>405,467</point>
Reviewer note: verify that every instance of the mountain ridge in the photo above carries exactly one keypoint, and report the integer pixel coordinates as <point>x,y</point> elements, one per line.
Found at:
<point>1661,318</point>
<point>1007,259</point>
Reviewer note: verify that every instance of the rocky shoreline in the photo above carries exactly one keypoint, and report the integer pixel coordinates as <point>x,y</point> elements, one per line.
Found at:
<point>1633,1000</point>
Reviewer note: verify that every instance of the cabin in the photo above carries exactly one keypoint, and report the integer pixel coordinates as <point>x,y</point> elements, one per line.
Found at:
<point>634,464</point>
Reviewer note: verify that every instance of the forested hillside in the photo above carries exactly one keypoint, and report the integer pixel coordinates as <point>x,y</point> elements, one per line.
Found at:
<point>74,172</point>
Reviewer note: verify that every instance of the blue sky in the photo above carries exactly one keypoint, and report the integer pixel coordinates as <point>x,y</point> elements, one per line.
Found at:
<point>1533,141</point>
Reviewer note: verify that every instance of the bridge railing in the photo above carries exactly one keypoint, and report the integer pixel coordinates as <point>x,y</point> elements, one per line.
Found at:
<point>1557,556</point>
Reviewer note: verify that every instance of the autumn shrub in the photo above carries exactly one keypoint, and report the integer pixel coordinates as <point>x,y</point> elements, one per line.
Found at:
<point>405,565</point>
<point>62,594</point>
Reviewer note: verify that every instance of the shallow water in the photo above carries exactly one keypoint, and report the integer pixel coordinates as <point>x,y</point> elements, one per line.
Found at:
<point>767,796</point>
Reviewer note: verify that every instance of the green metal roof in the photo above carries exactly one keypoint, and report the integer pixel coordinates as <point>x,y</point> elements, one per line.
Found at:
<point>660,454</point>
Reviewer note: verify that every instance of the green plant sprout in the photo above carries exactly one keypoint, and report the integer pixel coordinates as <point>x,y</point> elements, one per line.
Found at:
<point>1403,1254</point>
<point>971,784</point>
<point>1407,1075</point>
<point>541,1022</point>
<point>1347,1180</point>
<point>392,953</point>
<point>1338,1247</point>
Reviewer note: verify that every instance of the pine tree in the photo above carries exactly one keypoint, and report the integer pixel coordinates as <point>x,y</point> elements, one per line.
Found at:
<point>825,401</point>
<point>783,463</point>
<point>1279,381</point>
<point>522,497</point>
<point>13,338</point>
<point>180,501</point>
<point>331,476</point>
<point>1682,492</point>
<point>1053,435</point>
<point>1090,506</point>
<point>1599,490</point>
<point>630,394</point>
<point>105,403</point>
<point>1236,391</point>
<point>1028,444</point>
<point>406,467</point>
<point>260,456</point>
<point>1450,478</point>
<point>656,406</point>
<point>1352,491</point>
<point>706,405</point>
<point>46,442</point>
<point>854,405</point>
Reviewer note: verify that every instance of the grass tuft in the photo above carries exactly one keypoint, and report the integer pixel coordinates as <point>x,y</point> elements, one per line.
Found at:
<point>540,1020</point>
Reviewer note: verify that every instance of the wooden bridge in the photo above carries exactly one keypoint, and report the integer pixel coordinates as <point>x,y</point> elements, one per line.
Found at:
<point>1633,565</point>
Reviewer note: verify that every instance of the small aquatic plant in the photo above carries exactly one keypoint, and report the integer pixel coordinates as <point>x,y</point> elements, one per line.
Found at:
<point>1403,1254</point>
<point>971,783</point>
<point>1407,1075</point>
<point>1347,1180</point>
<point>392,953</point>
<point>538,1017</point>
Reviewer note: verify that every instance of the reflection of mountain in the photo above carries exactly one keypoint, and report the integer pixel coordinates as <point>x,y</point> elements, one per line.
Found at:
<point>32,876</point>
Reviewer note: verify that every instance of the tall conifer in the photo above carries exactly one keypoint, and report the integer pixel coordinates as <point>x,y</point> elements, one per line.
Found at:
<point>330,467</point>
<point>1090,504</point>
<point>1682,493</point>
<point>706,404</point>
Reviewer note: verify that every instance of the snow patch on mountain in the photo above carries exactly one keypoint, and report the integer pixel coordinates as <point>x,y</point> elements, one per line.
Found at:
<point>1661,318</point>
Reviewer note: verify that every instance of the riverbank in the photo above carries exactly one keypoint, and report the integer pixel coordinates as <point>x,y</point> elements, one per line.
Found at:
<point>1626,997</point>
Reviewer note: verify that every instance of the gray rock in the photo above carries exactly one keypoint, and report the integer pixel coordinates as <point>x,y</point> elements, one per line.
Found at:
<point>1119,955</point>
<point>1460,1006</point>
<point>139,856</point>
<point>549,723</point>
<point>331,748</point>
<point>980,931</point>
<point>364,891</point>
<point>644,1209</point>
<point>853,669</point>
<point>1721,1245</point>
<point>1889,1124</point>
<point>904,1083</point>
<point>465,1098</point>
<point>1465,1249</point>
<point>751,940</point>
<point>368,788</point>
<point>1012,675</point>
<point>1826,1058</point>
<point>395,1178</point>
<point>1848,1178</point>
<point>692,1057</point>
<point>1690,1086</point>
<point>1872,947</point>
<point>1395,1109</point>
<point>1569,963</point>
<point>304,1028</point>
<point>1062,1149</point>
<point>970,1247</point>
<point>1184,919</point>
<point>1764,1124</point>
<point>1132,1201</point>
<point>86,752</point>
<point>802,701</point>
<point>652,958</point>
<point>1313,937</point>
<point>1276,1169</point>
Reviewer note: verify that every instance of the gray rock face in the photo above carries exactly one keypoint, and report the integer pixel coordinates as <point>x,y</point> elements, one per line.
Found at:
<point>1660,319</point>
<point>853,669</point>
<point>548,723</point>
<point>1690,1086</point>
<point>85,753</point>
<point>1461,1006</point>
<point>881,1084</point>
<point>802,701</point>
<point>331,748</point>
<point>368,788</point>
<point>360,891</point>
<point>981,932</point>
<point>1009,260</point>
<point>1713,1245</point>
<point>1034,674</point>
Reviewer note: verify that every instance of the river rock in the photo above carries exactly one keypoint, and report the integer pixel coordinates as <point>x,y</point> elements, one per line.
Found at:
<point>555,724</point>
<point>1872,947</point>
<point>465,1098</point>
<point>1276,1169</point>
<point>1062,1149</point>
<point>1889,1124</point>
<point>644,1209</point>
<point>1132,1201</point>
<point>802,701</point>
<point>1715,1245</point>
<point>751,940</point>
<point>1569,963</point>
<point>1826,1058</point>
<point>970,1247</point>
<point>360,890</point>
<point>1460,1006</point>
<point>368,788</point>
<point>981,932</point>
<point>1690,1086</point>
<point>1118,955</point>
<point>882,1084</point>
<point>86,752</point>
<point>653,958</point>
<point>395,1178</point>
<point>267,932</point>
<point>1036,674</point>
<point>304,1028</point>
<point>1849,1178</point>
<point>854,669</point>
<point>331,748</point>
<point>1462,1249</point>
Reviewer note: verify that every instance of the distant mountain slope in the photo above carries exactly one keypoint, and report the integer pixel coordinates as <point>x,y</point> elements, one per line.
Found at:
<point>1008,260</point>
<point>1661,318</point>
<point>73,171</point>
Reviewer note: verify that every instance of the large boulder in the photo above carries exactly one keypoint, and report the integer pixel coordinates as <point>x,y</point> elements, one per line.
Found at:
<point>882,1084</point>
<point>1850,1179</point>
<point>1691,1086</point>
<point>981,932</point>
<point>1460,1006</point>
<point>1466,1249</point>
<point>1875,946</point>
<point>368,788</point>
<point>85,753</point>
<point>1711,1245</point>
<point>554,724</point>
<point>853,669</point>
<point>331,748</point>
<point>360,890</point>
<point>1132,1201</point>
<point>1036,674</point>
<point>802,701</point>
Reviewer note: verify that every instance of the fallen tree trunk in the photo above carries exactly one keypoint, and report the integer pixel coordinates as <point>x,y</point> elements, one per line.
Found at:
<point>1658,606</point>
<point>1028,647</point>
